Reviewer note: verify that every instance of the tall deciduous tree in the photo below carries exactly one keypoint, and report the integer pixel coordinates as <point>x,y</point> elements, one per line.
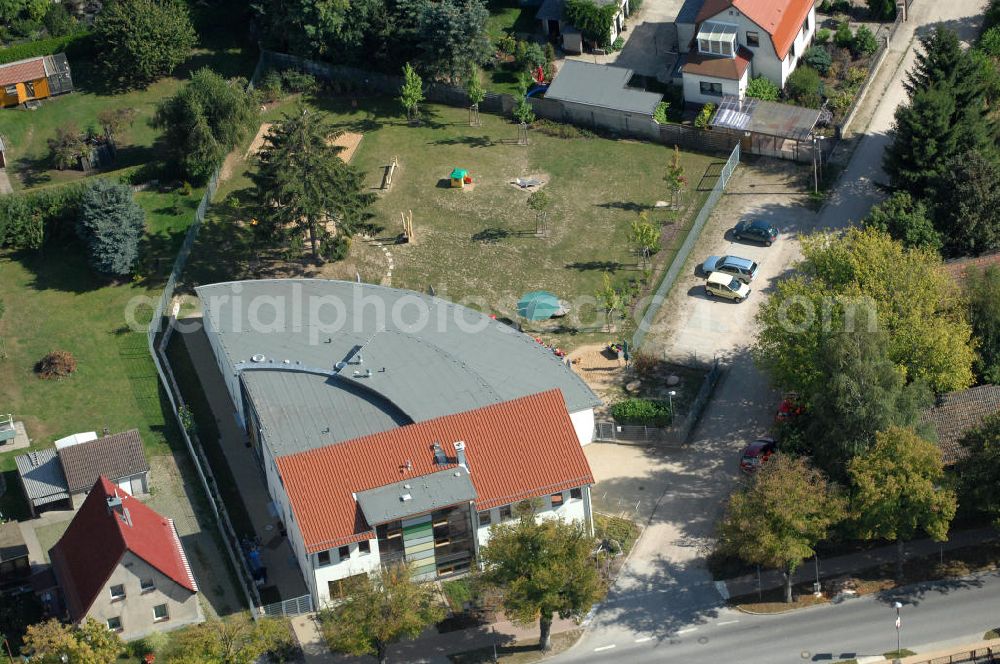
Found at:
<point>303,184</point>
<point>776,519</point>
<point>979,470</point>
<point>542,568</point>
<point>884,10</point>
<point>968,204</point>
<point>915,302</point>
<point>111,224</point>
<point>237,639</point>
<point>906,219</point>
<point>863,392</point>
<point>141,40</point>
<point>90,643</point>
<point>898,492</point>
<point>204,120</point>
<point>983,288</point>
<point>378,610</point>
<point>411,93</point>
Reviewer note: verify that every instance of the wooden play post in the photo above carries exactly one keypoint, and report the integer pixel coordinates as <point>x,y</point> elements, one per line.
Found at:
<point>389,171</point>
<point>407,220</point>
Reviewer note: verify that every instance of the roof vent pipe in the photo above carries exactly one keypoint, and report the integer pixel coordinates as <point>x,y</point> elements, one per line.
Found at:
<point>439,457</point>
<point>460,454</point>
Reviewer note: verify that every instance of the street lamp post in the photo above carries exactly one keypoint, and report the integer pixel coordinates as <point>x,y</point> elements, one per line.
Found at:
<point>670,395</point>
<point>897,606</point>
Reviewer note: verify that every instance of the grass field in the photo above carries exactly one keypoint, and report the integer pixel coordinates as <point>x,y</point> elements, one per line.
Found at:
<point>479,244</point>
<point>26,133</point>
<point>53,300</point>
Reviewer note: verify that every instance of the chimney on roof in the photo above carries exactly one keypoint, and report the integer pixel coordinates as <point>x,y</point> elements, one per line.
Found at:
<point>460,454</point>
<point>115,503</point>
<point>439,457</point>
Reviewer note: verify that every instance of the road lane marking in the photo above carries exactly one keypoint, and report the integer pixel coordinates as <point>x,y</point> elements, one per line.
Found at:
<point>644,639</point>
<point>604,648</point>
<point>727,622</point>
<point>688,630</point>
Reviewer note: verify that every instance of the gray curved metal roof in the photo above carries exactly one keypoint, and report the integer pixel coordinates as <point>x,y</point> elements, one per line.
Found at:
<point>328,361</point>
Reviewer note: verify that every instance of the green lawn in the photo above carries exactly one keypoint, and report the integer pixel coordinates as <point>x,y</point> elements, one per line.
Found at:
<point>509,17</point>
<point>26,133</point>
<point>479,243</point>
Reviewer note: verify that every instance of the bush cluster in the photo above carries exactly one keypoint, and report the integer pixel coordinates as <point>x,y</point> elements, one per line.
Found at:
<point>648,412</point>
<point>561,130</point>
<point>79,44</point>
<point>704,116</point>
<point>27,221</point>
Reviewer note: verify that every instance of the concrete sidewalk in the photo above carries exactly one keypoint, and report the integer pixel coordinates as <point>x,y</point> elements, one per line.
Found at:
<point>855,562</point>
<point>430,647</point>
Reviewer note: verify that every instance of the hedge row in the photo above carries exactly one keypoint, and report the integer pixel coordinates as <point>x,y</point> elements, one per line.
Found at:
<point>27,221</point>
<point>78,43</point>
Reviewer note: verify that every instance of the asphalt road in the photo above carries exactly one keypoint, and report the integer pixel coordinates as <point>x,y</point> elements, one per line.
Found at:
<point>664,606</point>
<point>933,616</point>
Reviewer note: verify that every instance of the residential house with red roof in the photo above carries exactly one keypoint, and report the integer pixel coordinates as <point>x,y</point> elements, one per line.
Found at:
<point>731,41</point>
<point>395,426</point>
<point>122,564</point>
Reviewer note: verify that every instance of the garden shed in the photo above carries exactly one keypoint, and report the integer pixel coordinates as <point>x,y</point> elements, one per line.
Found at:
<point>769,128</point>
<point>34,78</point>
<point>599,96</point>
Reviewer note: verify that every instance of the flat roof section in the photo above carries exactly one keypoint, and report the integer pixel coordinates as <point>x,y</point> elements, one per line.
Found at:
<point>416,495</point>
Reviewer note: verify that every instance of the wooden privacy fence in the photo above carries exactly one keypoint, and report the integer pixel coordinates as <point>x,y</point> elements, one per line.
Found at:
<point>676,434</point>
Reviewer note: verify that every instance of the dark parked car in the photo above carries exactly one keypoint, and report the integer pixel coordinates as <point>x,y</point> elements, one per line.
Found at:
<point>756,230</point>
<point>756,453</point>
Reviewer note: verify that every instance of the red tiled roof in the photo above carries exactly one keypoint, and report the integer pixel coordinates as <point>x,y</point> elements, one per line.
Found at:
<point>719,66</point>
<point>97,539</point>
<point>781,19</point>
<point>515,450</point>
<point>957,413</point>
<point>22,70</point>
<point>959,268</point>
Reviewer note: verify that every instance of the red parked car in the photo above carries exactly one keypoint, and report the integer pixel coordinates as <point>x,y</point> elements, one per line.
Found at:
<point>756,453</point>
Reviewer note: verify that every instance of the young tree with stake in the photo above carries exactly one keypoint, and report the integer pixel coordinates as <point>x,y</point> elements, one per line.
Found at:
<point>412,93</point>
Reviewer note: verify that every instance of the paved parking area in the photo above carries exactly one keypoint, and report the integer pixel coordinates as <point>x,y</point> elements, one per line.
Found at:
<point>650,41</point>
<point>692,327</point>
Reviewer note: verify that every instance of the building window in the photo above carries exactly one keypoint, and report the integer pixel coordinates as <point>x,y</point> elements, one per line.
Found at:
<point>753,38</point>
<point>115,624</point>
<point>576,494</point>
<point>160,613</point>
<point>323,558</point>
<point>10,90</point>
<point>485,518</point>
<point>703,46</point>
<point>805,26</point>
<point>505,513</point>
<point>364,547</point>
<point>557,500</point>
<point>711,88</point>
<point>147,585</point>
<point>117,591</point>
<point>29,88</point>
<point>791,51</point>
<point>344,552</point>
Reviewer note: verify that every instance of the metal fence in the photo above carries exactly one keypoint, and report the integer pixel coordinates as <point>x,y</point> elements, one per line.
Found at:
<point>288,607</point>
<point>673,436</point>
<point>682,254</point>
<point>158,334</point>
<point>988,655</point>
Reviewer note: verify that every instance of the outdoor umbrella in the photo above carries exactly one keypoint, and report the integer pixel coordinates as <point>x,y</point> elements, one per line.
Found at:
<point>538,305</point>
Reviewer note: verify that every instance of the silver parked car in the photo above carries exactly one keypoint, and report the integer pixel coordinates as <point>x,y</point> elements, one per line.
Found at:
<point>743,269</point>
